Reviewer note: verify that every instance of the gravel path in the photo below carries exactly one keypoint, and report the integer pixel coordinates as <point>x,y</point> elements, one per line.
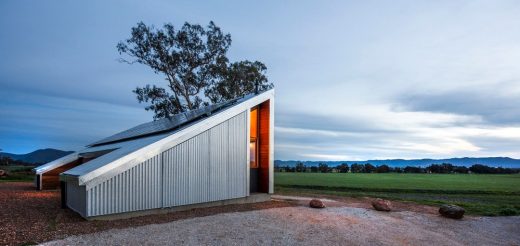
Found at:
<point>28,216</point>
<point>306,226</point>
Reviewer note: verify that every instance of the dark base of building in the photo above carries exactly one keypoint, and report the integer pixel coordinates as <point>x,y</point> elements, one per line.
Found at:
<point>253,198</point>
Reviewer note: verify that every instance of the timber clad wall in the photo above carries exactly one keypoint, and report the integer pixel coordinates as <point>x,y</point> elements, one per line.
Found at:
<point>51,179</point>
<point>208,167</point>
<point>263,153</point>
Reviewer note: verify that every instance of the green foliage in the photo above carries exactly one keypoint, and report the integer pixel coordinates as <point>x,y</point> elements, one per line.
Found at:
<point>441,168</point>
<point>509,211</point>
<point>17,173</point>
<point>369,168</point>
<point>193,61</point>
<point>300,167</point>
<point>357,168</point>
<point>240,78</point>
<point>7,161</point>
<point>314,169</point>
<point>433,168</point>
<point>383,169</point>
<point>323,168</point>
<point>343,168</point>
<point>478,168</point>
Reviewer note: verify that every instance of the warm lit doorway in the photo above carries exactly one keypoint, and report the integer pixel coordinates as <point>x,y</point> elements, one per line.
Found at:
<point>259,148</point>
<point>253,151</point>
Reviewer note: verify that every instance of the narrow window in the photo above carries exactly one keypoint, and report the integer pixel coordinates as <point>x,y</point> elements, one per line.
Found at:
<point>253,141</point>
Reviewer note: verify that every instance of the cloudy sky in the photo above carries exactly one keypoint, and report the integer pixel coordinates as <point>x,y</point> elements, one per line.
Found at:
<point>354,79</point>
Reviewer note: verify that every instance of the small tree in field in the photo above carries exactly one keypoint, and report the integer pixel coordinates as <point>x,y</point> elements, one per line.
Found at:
<point>324,168</point>
<point>194,64</point>
<point>357,168</point>
<point>314,169</point>
<point>383,169</point>
<point>343,168</point>
<point>300,167</point>
<point>369,168</point>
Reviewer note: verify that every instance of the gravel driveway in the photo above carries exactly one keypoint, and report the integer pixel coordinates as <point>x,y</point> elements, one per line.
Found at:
<point>306,226</point>
<point>28,216</point>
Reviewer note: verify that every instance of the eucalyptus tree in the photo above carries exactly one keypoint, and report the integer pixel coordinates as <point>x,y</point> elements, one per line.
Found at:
<point>194,63</point>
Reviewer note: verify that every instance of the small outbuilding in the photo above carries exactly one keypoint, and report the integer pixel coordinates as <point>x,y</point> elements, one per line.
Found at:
<point>219,154</point>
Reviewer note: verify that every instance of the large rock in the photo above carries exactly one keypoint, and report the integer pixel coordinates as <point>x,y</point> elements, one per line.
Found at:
<point>382,205</point>
<point>452,211</point>
<point>316,203</point>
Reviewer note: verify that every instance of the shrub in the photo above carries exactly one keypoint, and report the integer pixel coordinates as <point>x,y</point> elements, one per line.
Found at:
<point>369,168</point>
<point>357,168</point>
<point>409,169</point>
<point>343,168</point>
<point>509,212</point>
<point>383,169</point>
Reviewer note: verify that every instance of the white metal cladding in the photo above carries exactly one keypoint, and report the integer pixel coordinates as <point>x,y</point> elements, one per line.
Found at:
<point>219,163</point>
<point>76,197</point>
<point>138,188</point>
<point>237,157</point>
<point>208,167</point>
<point>132,152</point>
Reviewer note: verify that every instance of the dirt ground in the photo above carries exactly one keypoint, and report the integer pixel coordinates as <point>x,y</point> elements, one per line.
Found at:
<point>306,226</point>
<point>359,202</point>
<point>28,216</point>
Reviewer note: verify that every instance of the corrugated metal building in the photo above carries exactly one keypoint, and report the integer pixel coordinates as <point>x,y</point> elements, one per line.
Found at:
<point>221,152</point>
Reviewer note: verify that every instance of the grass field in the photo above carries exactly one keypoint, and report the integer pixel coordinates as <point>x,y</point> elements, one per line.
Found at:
<point>480,194</point>
<point>17,173</point>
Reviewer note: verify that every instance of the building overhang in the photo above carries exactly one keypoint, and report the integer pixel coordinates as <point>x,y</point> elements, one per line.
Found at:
<point>128,160</point>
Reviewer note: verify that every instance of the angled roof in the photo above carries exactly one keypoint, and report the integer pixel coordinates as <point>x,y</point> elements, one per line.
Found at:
<point>144,141</point>
<point>165,124</point>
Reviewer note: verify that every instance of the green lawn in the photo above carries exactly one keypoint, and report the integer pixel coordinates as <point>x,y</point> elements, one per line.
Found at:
<point>479,194</point>
<point>17,173</point>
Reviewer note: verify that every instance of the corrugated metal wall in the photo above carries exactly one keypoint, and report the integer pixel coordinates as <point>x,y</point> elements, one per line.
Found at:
<point>208,167</point>
<point>237,158</point>
<point>77,198</point>
<point>138,188</point>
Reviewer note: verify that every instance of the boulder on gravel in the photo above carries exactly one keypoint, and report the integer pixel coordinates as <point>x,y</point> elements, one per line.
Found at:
<point>382,205</point>
<point>452,211</point>
<point>316,203</point>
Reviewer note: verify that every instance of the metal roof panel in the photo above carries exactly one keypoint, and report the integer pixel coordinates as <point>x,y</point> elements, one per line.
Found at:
<point>165,124</point>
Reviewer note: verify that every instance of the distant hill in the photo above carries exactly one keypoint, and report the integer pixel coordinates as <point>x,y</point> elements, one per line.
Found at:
<point>40,156</point>
<point>505,162</point>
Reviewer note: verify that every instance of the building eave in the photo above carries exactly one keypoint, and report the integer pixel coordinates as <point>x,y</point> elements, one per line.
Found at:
<point>56,163</point>
<point>114,167</point>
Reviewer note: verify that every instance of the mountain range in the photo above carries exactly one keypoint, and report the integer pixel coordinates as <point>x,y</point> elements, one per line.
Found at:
<point>505,162</point>
<point>40,156</point>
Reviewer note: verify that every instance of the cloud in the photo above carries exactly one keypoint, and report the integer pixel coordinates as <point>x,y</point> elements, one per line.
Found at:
<point>353,80</point>
<point>444,135</point>
<point>32,121</point>
<point>495,104</point>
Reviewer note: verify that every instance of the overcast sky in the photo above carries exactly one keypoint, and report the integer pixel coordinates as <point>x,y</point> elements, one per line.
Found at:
<point>354,79</point>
